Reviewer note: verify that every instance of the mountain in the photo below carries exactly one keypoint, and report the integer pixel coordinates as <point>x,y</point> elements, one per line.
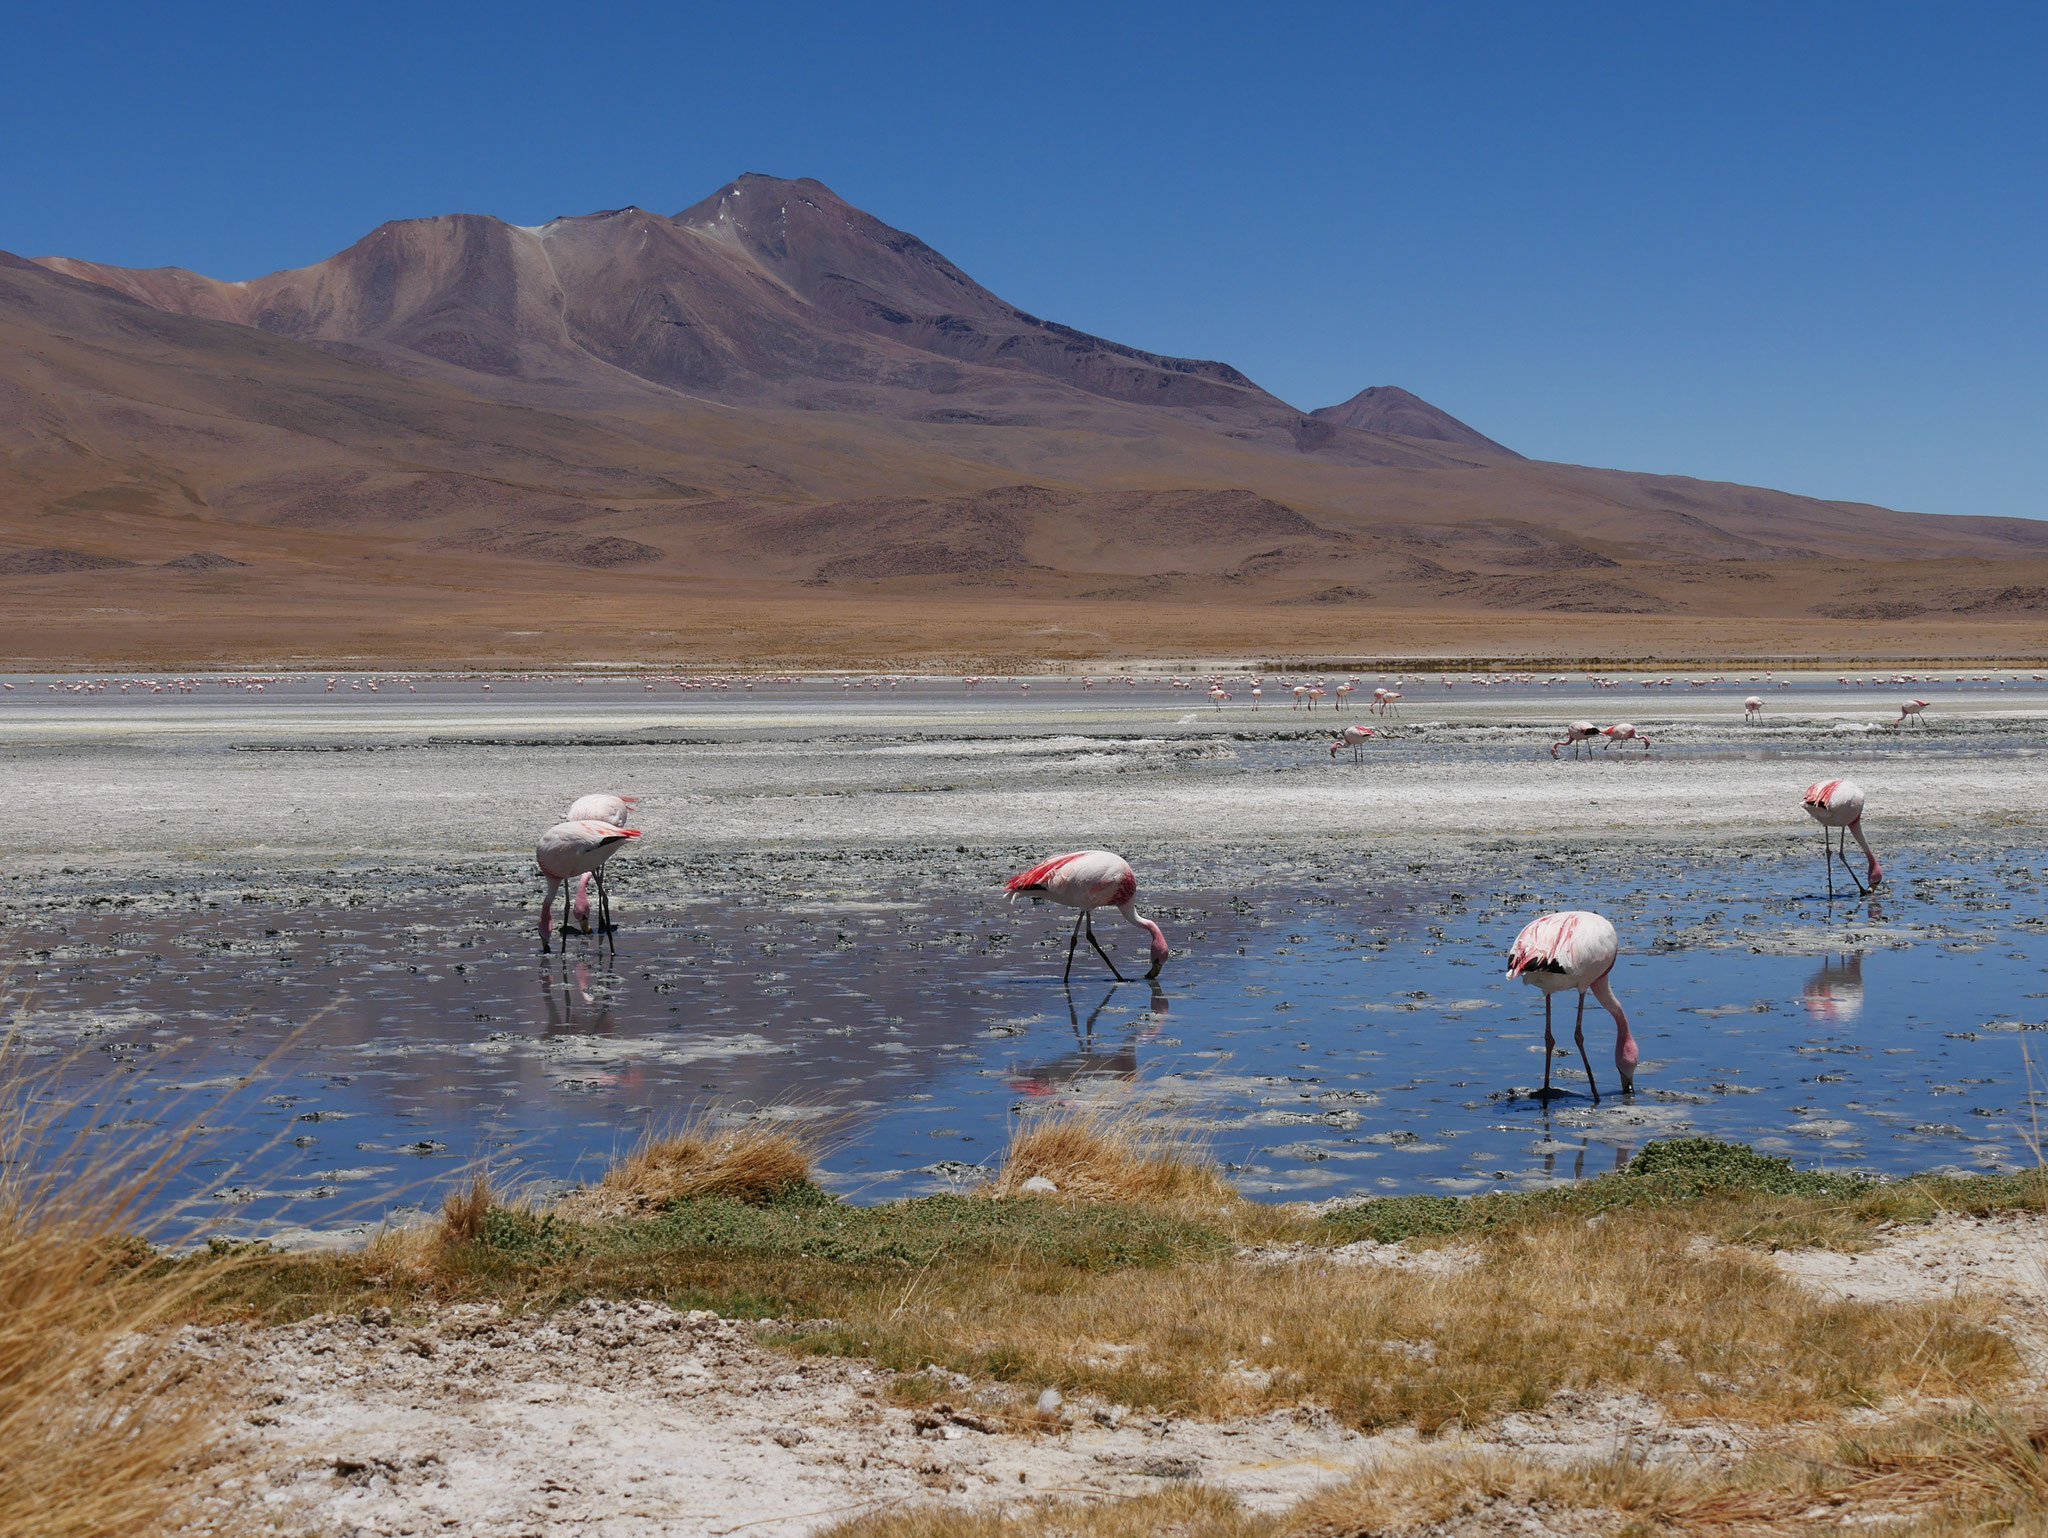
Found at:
<point>1391,409</point>
<point>466,429</point>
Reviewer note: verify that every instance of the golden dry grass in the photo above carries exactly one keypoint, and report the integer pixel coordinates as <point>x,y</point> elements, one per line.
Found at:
<point>1925,1479</point>
<point>101,1418</point>
<point>1191,1512</point>
<point>750,1162</point>
<point>1630,1304</point>
<point>1121,1154</point>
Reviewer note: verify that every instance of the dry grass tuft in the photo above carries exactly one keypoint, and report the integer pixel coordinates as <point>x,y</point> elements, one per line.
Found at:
<point>1189,1512</point>
<point>752,1162</point>
<point>1931,1480</point>
<point>101,1418</point>
<point>1120,1155</point>
<point>464,1208</point>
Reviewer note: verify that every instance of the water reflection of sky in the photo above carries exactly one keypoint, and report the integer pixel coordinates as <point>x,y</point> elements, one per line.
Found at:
<point>1326,1038</point>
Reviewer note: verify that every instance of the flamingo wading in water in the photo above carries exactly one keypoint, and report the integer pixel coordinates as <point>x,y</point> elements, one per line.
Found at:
<point>1575,950</point>
<point>571,849</point>
<point>1753,708</point>
<point>1089,879</point>
<point>600,807</point>
<point>1911,708</point>
<point>1574,735</point>
<point>1839,804</point>
<point>1352,737</point>
<point>1621,731</point>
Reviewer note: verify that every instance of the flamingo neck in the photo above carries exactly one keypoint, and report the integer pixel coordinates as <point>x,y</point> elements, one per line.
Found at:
<point>547,908</point>
<point>1160,950</point>
<point>1856,831</point>
<point>1626,1055</point>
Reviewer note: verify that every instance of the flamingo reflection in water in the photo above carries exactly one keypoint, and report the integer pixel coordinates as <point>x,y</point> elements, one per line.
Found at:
<point>1835,992</point>
<point>1092,1060</point>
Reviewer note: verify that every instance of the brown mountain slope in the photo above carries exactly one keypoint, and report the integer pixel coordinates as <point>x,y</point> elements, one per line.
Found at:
<point>774,399</point>
<point>1391,409</point>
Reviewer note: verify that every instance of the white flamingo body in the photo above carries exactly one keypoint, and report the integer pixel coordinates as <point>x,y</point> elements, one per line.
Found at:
<point>1911,708</point>
<point>572,849</point>
<point>1838,804</point>
<point>1575,951</point>
<point>1753,709</point>
<point>1621,731</point>
<point>1354,738</point>
<point>599,807</point>
<point>1574,734</point>
<point>1088,879</point>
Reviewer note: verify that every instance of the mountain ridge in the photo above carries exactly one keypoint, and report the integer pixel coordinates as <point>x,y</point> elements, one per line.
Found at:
<point>775,389</point>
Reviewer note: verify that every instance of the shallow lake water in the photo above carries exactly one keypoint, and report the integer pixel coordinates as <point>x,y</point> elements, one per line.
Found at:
<point>356,1027</point>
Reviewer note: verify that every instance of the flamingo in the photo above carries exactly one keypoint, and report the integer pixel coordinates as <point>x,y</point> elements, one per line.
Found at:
<point>1621,731</point>
<point>1839,804</point>
<point>1218,695</point>
<point>1352,737</point>
<point>1257,694</point>
<point>1753,709</point>
<point>1343,694</point>
<point>1574,734</point>
<point>575,849</point>
<point>1391,704</point>
<point>1089,879</point>
<point>1911,708</point>
<point>1575,950</point>
<point>598,807</point>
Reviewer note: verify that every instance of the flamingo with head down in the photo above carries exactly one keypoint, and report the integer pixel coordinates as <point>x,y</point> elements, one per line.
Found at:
<point>1575,950</point>
<point>1354,738</point>
<point>1621,731</point>
<point>601,806</point>
<point>1088,879</point>
<point>1574,734</point>
<point>571,849</point>
<point>1839,804</point>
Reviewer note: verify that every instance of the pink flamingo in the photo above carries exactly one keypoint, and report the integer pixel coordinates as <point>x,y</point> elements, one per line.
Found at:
<point>1911,708</point>
<point>599,807</point>
<point>1621,731</point>
<point>1575,950</point>
<point>1089,879</point>
<point>1391,704</point>
<point>1218,695</point>
<point>1574,734</point>
<point>1352,737</point>
<point>1257,694</point>
<point>1343,694</point>
<point>570,849</point>
<point>1753,708</point>
<point>1839,804</point>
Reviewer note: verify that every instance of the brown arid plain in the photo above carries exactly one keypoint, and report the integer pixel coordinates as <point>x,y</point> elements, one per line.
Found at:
<point>773,431</point>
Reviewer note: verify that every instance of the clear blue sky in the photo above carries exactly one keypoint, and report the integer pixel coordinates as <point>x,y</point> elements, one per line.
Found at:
<point>1797,245</point>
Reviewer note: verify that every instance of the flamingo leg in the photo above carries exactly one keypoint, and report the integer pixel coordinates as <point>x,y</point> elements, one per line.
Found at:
<point>1547,1044</point>
<point>1579,1035</point>
<point>1089,915</point>
<point>1073,941</point>
<point>1842,853</point>
<point>1827,859</point>
<point>565,917</point>
<point>604,915</point>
